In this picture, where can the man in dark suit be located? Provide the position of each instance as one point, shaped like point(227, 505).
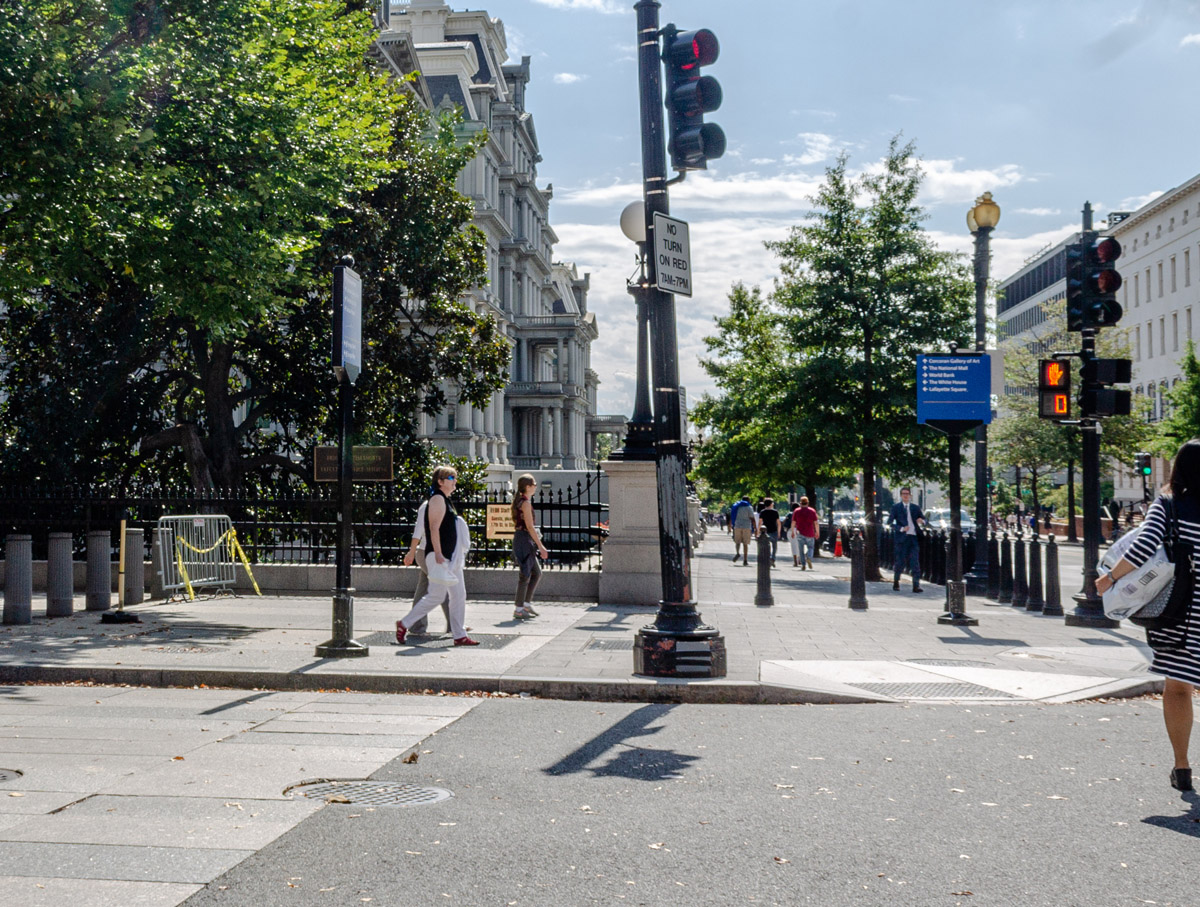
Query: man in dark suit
point(905, 518)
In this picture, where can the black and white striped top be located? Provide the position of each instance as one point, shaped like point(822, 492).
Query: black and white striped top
point(1176, 652)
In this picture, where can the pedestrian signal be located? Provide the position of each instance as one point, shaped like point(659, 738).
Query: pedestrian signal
point(1054, 389)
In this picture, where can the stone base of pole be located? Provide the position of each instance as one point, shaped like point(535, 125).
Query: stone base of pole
point(665, 653)
point(1089, 615)
point(342, 646)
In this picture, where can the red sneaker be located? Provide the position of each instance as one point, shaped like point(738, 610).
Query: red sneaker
point(466, 641)
point(401, 633)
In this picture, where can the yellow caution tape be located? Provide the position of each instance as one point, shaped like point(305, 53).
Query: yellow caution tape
point(215, 546)
point(229, 537)
point(235, 547)
point(183, 571)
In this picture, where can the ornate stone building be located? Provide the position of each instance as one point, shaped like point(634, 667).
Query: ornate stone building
point(545, 417)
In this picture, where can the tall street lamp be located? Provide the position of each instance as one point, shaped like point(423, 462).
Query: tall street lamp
point(981, 220)
point(639, 437)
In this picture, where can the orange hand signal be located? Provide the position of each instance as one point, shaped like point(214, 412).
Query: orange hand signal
point(1054, 374)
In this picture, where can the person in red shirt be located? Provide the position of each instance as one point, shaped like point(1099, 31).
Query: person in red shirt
point(803, 535)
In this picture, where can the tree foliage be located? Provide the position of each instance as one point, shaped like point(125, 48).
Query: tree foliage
point(182, 179)
point(1182, 422)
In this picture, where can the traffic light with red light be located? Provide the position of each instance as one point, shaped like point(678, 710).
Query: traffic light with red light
point(1092, 282)
point(691, 142)
point(1054, 389)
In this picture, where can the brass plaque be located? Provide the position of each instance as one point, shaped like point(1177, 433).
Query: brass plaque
point(368, 464)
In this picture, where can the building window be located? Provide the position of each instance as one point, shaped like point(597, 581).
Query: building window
point(1149, 292)
point(1160, 280)
point(1175, 331)
point(1158, 232)
point(1162, 335)
point(1171, 226)
point(1137, 343)
point(1187, 322)
point(1136, 295)
point(1149, 339)
point(1172, 273)
point(1187, 267)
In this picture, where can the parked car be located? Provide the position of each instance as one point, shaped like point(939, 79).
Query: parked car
point(940, 519)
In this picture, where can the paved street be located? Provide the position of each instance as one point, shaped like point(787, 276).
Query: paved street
point(160, 797)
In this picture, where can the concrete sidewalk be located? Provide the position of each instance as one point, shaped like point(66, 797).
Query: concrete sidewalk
point(808, 647)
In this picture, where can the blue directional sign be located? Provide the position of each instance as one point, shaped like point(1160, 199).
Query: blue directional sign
point(954, 387)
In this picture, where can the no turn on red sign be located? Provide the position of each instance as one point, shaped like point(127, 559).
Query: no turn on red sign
point(672, 255)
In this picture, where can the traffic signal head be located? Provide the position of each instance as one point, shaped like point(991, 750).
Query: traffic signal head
point(691, 142)
point(1142, 461)
point(1054, 389)
point(1092, 282)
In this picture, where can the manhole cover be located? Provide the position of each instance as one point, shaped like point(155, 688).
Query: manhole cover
point(947, 663)
point(611, 645)
point(8, 774)
point(372, 793)
point(486, 640)
point(934, 690)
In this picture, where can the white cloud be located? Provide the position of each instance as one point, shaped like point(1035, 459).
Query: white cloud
point(752, 193)
point(610, 7)
point(902, 99)
point(945, 185)
point(1038, 212)
point(818, 148)
point(1133, 202)
point(567, 78)
point(1190, 39)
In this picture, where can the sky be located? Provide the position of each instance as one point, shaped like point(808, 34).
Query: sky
point(1045, 103)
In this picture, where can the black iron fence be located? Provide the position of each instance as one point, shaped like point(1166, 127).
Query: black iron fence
point(300, 526)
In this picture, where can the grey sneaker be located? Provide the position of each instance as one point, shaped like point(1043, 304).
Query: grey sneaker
point(523, 614)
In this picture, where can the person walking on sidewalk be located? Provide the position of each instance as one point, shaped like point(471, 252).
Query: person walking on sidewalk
point(447, 542)
point(745, 523)
point(803, 534)
point(416, 553)
point(769, 517)
point(1176, 650)
point(905, 518)
point(527, 548)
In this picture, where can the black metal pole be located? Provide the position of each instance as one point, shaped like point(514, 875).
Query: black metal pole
point(678, 642)
point(977, 579)
point(956, 594)
point(1089, 609)
point(639, 439)
point(1072, 535)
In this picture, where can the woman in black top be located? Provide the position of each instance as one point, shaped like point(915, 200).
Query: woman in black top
point(1177, 650)
point(770, 525)
point(442, 541)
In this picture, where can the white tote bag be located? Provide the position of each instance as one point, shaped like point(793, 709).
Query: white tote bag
point(1136, 589)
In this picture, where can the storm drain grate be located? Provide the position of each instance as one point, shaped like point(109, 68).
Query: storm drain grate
point(934, 691)
point(947, 663)
point(9, 774)
point(611, 645)
point(371, 793)
point(486, 640)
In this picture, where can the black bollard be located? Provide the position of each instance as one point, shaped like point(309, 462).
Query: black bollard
point(1020, 577)
point(941, 543)
point(1006, 571)
point(763, 596)
point(858, 574)
point(1035, 601)
point(993, 584)
point(1053, 607)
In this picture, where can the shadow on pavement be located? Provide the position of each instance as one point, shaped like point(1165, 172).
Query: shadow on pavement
point(635, 762)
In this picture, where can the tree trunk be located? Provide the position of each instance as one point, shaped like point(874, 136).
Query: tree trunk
point(218, 412)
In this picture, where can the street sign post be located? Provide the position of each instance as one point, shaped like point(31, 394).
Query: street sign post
point(347, 322)
point(673, 254)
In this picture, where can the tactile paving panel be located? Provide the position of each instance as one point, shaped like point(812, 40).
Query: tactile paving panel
point(611, 645)
point(371, 793)
point(934, 691)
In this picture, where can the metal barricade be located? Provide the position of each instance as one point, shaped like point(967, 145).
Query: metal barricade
point(194, 551)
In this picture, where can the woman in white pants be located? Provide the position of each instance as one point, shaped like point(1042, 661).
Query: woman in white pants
point(447, 540)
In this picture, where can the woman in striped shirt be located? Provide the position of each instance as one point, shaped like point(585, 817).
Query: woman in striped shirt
point(1176, 650)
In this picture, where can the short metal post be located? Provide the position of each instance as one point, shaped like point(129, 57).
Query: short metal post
point(1053, 606)
point(18, 579)
point(763, 596)
point(60, 576)
point(993, 584)
point(1020, 577)
point(135, 566)
point(858, 574)
point(1034, 601)
point(1006, 570)
point(99, 570)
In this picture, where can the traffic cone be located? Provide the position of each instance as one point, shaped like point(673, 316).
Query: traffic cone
point(837, 548)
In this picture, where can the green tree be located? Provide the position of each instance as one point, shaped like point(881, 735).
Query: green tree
point(1183, 414)
point(864, 290)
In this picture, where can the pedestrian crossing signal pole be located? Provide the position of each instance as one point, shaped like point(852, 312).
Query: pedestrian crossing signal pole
point(678, 643)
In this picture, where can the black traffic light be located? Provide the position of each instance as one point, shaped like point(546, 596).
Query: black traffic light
point(1054, 389)
point(991, 481)
point(691, 142)
point(1097, 397)
point(1092, 282)
point(1142, 462)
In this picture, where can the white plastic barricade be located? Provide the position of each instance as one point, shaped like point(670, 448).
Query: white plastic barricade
point(197, 551)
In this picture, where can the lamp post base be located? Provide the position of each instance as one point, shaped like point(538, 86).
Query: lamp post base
point(955, 614)
point(667, 653)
